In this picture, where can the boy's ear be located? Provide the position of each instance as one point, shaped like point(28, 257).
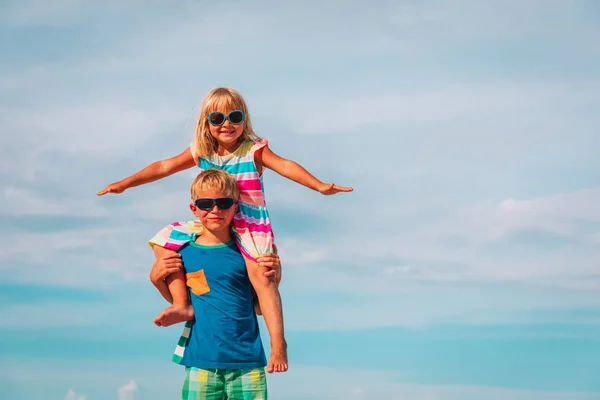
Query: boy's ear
point(193, 207)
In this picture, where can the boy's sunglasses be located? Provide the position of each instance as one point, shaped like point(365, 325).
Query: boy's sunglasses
point(206, 204)
point(217, 118)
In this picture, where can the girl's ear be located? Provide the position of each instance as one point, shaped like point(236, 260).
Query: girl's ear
point(193, 207)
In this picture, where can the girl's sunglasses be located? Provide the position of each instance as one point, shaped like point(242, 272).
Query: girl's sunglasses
point(206, 204)
point(217, 118)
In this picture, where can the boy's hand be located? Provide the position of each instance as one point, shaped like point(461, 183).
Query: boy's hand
point(166, 264)
point(271, 261)
point(331, 188)
point(115, 188)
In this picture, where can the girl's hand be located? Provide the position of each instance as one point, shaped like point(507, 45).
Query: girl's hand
point(272, 262)
point(330, 188)
point(115, 188)
point(166, 263)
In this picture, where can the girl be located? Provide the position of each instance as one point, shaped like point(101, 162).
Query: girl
point(224, 140)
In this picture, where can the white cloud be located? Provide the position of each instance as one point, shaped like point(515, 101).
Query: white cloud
point(27, 202)
point(71, 395)
point(559, 213)
point(128, 391)
point(463, 128)
point(439, 148)
point(431, 257)
point(37, 13)
point(301, 382)
point(477, 258)
point(156, 378)
point(91, 128)
point(54, 314)
point(446, 241)
point(33, 12)
point(407, 107)
point(451, 112)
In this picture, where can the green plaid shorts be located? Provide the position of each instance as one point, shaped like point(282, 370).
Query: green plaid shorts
point(224, 384)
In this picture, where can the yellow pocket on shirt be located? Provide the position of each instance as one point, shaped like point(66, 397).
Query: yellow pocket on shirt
point(197, 282)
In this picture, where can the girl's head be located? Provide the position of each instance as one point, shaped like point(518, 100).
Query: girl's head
point(236, 127)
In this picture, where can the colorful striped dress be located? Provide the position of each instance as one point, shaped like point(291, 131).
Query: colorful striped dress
point(252, 227)
point(253, 231)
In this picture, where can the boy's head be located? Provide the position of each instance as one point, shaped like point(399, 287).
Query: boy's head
point(215, 196)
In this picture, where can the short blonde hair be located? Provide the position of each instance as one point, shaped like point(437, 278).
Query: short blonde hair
point(220, 99)
point(215, 179)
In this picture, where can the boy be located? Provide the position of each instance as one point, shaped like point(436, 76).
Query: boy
point(224, 353)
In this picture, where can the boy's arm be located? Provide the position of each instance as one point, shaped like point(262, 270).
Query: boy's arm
point(167, 262)
point(295, 172)
point(155, 171)
point(272, 264)
point(270, 303)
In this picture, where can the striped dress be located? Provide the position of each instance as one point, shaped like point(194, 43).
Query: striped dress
point(252, 227)
point(253, 231)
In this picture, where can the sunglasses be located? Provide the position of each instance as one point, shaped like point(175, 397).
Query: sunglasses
point(206, 204)
point(217, 118)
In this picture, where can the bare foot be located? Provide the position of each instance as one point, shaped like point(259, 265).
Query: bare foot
point(174, 315)
point(278, 362)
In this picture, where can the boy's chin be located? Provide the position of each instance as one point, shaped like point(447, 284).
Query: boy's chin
point(217, 227)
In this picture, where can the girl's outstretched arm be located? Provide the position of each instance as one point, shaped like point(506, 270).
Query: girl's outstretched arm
point(295, 172)
point(153, 172)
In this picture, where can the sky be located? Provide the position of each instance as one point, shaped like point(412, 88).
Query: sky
point(465, 264)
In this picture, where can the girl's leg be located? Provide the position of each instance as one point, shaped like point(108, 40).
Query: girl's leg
point(182, 309)
point(175, 236)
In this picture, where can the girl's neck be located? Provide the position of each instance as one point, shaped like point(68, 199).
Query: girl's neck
point(228, 148)
point(209, 238)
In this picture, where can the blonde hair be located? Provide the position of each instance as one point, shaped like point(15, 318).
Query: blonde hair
point(215, 179)
point(217, 100)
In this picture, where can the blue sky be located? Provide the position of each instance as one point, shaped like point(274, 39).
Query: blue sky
point(463, 266)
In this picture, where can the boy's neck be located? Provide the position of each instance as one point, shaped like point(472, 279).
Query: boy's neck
point(211, 238)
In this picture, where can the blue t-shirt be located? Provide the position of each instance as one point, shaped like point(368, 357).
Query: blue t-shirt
point(225, 332)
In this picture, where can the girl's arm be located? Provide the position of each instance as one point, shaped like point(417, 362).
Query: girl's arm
point(153, 172)
point(295, 172)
